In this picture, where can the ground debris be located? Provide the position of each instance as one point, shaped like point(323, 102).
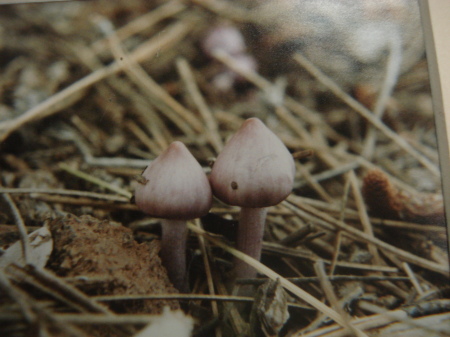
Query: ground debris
point(91, 249)
point(92, 91)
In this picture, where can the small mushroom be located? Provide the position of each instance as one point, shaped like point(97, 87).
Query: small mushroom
point(224, 37)
point(175, 189)
point(227, 39)
point(254, 171)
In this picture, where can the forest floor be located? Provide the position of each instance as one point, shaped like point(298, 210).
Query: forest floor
point(91, 92)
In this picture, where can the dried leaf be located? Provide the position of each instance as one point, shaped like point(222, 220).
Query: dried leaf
point(41, 246)
point(169, 324)
point(270, 310)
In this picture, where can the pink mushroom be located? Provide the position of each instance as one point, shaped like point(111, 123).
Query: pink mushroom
point(254, 171)
point(175, 189)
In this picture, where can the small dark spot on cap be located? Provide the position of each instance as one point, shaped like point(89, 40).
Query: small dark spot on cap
point(234, 185)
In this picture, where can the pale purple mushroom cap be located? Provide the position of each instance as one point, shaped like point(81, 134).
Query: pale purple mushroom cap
point(176, 188)
point(226, 38)
point(254, 169)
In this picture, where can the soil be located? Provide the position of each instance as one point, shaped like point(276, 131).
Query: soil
point(110, 262)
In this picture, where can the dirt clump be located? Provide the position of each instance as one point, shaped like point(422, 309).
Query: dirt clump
point(103, 258)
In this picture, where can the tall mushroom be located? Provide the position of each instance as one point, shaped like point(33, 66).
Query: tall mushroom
point(254, 171)
point(175, 189)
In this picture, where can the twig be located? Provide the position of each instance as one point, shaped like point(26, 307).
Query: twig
point(49, 322)
point(335, 261)
point(392, 73)
point(395, 317)
point(230, 311)
point(224, 9)
point(184, 119)
point(95, 180)
point(274, 276)
point(334, 278)
point(86, 202)
point(270, 247)
point(293, 123)
point(367, 226)
point(289, 103)
point(413, 278)
point(142, 136)
point(323, 218)
point(339, 234)
point(352, 214)
point(98, 318)
point(314, 184)
point(331, 296)
point(26, 248)
point(68, 133)
point(363, 111)
point(57, 288)
point(141, 23)
point(331, 173)
point(366, 323)
point(19, 297)
point(210, 121)
point(147, 116)
point(209, 279)
point(53, 104)
point(188, 297)
point(85, 194)
point(293, 238)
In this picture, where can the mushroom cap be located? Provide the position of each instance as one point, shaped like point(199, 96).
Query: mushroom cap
point(254, 169)
point(224, 37)
point(176, 187)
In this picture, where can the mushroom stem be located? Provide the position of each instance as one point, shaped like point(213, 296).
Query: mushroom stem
point(173, 251)
point(249, 238)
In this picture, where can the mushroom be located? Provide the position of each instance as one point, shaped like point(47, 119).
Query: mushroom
point(254, 171)
point(227, 39)
point(175, 189)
